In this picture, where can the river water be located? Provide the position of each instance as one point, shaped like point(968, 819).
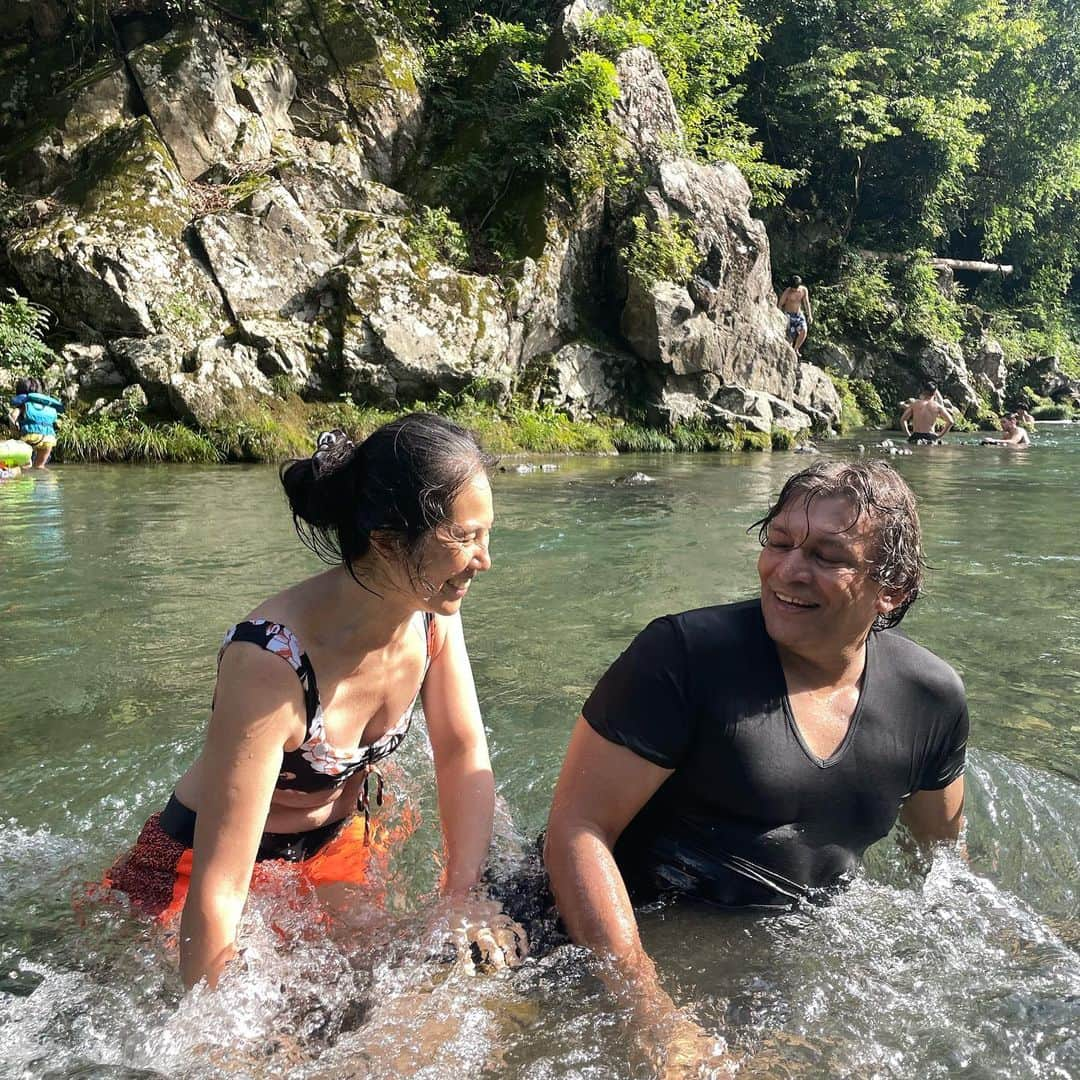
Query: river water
point(118, 582)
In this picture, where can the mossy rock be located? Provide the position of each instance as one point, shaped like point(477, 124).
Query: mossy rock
point(114, 257)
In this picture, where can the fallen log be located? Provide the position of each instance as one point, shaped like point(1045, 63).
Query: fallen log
point(941, 263)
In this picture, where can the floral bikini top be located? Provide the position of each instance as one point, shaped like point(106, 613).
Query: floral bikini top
point(316, 765)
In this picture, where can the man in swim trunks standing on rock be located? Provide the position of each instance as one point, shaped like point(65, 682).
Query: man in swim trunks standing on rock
point(747, 754)
point(923, 414)
point(794, 302)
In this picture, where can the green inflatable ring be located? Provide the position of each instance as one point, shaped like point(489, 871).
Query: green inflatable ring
point(15, 452)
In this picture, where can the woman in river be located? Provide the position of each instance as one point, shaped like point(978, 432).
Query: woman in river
point(316, 687)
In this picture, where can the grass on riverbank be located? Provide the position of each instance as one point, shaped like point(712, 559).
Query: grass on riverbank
point(286, 427)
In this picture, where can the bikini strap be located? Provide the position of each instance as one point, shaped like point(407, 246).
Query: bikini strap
point(430, 628)
point(278, 639)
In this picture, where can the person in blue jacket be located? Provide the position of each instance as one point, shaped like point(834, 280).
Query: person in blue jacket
point(37, 418)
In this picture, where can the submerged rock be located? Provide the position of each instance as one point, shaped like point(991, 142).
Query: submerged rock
point(634, 479)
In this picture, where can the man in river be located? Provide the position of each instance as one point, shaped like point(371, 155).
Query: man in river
point(923, 415)
point(794, 302)
point(747, 754)
point(1016, 438)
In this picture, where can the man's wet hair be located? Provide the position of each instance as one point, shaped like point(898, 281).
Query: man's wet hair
point(929, 388)
point(796, 281)
point(879, 492)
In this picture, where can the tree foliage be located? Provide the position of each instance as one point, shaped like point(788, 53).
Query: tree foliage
point(950, 125)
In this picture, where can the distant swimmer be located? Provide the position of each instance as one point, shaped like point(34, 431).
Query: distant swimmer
point(794, 302)
point(1016, 438)
point(1025, 418)
point(923, 414)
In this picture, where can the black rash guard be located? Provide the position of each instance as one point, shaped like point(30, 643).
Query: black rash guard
point(750, 816)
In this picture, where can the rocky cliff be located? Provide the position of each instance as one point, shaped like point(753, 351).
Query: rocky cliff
point(205, 212)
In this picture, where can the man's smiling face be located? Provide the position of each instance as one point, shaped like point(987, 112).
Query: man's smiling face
point(818, 596)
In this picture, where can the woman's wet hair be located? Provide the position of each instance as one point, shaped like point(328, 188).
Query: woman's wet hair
point(22, 386)
point(877, 491)
point(400, 482)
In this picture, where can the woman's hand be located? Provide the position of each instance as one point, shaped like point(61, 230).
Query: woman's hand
point(483, 936)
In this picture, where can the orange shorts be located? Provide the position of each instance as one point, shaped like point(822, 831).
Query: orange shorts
point(156, 872)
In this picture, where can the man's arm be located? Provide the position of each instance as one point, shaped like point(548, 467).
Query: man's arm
point(780, 299)
point(904, 420)
point(601, 788)
point(935, 817)
point(806, 304)
point(944, 414)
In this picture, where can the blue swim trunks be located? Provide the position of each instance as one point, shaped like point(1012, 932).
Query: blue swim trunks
point(796, 323)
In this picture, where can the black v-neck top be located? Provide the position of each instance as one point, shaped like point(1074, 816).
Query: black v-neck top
point(751, 816)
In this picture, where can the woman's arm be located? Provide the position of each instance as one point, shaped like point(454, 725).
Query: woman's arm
point(257, 709)
point(463, 775)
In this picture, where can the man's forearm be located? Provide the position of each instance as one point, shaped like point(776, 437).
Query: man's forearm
point(594, 905)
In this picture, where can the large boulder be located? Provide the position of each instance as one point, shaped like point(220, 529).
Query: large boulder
point(219, 378)
point(337, 181)
point(266, 253)
point(986, 363)
point(585, 381)
point(266, 86)
point(294, 348)
point(114, 258)
point(361, 76)
point(151, 363)
point(645, 113)
point(815, 395)
point(72, 119)
point(571, 25)
point(727, 322)
point(90, 369)
point(188, 91)
point(548, 293)
point(943, 363)
point(408, 330)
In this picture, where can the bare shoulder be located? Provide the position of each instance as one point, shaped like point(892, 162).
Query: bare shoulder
point(257, 689)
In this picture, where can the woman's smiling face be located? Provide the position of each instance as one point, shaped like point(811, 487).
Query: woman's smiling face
point(457, 549)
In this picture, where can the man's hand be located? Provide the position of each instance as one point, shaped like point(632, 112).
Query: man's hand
point(678, 1048)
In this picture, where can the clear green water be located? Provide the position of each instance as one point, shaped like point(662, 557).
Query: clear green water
point(117, 584)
